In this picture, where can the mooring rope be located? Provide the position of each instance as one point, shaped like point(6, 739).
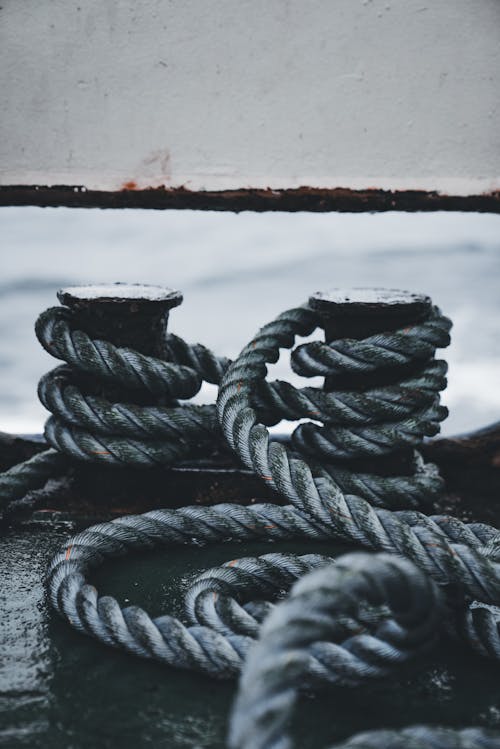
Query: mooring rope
point(351, 620)
point(90, 428)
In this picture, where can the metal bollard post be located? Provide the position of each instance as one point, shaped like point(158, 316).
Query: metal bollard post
point(359, 313)
point(126, 315)
point(132, 315)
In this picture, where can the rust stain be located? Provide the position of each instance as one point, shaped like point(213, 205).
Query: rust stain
point(130, 185)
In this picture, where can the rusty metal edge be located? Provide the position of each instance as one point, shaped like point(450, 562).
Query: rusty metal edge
point(310, 199)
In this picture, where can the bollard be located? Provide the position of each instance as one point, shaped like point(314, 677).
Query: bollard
point(358, 313)
point(133, 316)
point(126, 315)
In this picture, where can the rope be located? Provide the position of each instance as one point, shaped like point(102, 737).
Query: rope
point(343, 623)
point(29, 476)
point(87, 427)
point(91, 428)
point(313, 616)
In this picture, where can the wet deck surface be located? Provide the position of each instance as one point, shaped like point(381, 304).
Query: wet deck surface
point(61, 689)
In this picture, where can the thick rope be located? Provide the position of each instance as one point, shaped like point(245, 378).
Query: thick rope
point(31, 475)
point(90, 428)
point(313, 616)
point(344, 623)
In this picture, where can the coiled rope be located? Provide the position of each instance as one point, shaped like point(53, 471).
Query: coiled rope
point(345, 623)
point(90, 428)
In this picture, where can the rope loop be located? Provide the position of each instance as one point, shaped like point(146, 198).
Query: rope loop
point(414, 343)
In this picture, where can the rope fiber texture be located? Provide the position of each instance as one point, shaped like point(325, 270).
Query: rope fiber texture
point(346, 620)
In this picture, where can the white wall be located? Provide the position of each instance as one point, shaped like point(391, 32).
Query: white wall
point(216, 94)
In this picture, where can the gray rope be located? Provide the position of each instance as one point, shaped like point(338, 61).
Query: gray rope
point(436, 535)
point(382, 610)
point(472, 569)
point(220, 628)
point(339, 442)
point(310, 488)
point(19, 509)
point(424, 737)
point(209, 366)
point(30, 475)
point(392, 402)
point(210, 602)
point(167, 638)
point(89, 428)
point(413, 491)
point(313, 616)
point(104, 361)
point(413, 343)
point(343, 624)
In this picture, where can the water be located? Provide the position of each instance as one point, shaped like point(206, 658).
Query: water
point(238, 271)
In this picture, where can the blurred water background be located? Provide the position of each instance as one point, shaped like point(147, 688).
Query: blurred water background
point(238, 271)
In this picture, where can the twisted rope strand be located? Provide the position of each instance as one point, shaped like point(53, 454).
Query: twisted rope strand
point(210, 600)
point(107, 362)
point(30, 475)
point(411, 344)
point(370, 406)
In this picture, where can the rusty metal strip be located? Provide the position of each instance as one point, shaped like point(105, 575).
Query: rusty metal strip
point(299, 199)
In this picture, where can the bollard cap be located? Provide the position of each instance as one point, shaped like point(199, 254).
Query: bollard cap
point(363, 302)
point(139, 295)
point(127, 315)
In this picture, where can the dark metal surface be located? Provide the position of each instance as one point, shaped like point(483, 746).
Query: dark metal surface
point(131, 315)
point(361, 312)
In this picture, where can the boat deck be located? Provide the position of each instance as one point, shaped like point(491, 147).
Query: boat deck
point(61, 689)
